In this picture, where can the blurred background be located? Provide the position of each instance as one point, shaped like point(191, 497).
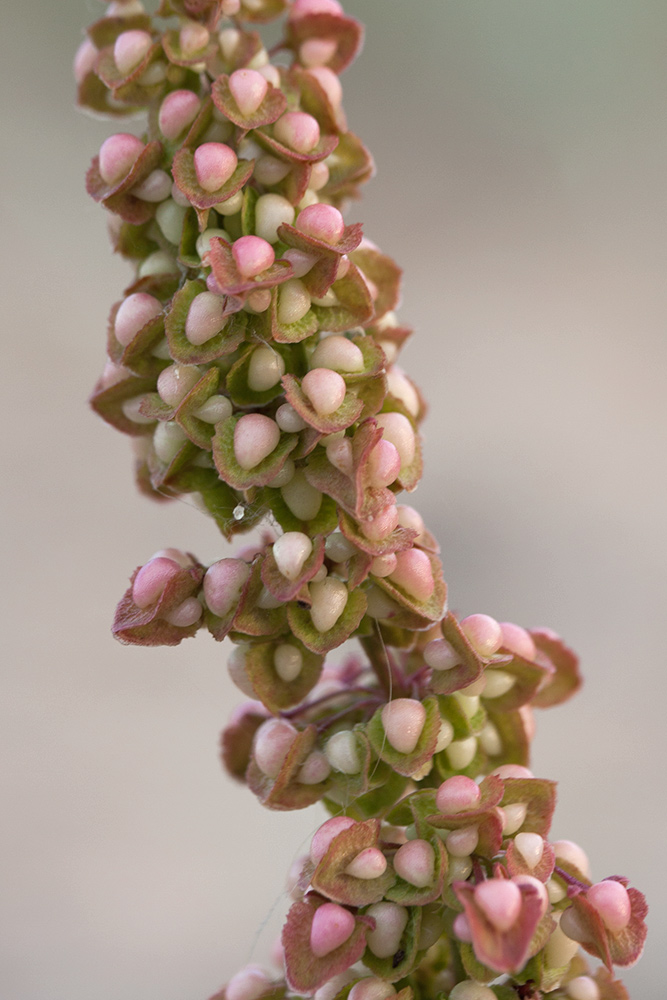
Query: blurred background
point(521, 149)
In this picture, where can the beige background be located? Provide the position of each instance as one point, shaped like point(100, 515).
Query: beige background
point(521, 151)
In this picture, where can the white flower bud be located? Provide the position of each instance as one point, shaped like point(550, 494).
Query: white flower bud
point(168, 440)
point(329, 600)
point(271, 211)
point(288, 661)
point(470, 990)
point(343, 753)
point(265, 370)
point(291, 552)
point(169, 217)
point(176, 381)
point(215, 409)
point(498, 682)
point(293, 301)
point(531, 848)
point(390, 922)
point(461, 753)
point(514, 816)
point(337, 353)
point(302, 499)
point(289, 420)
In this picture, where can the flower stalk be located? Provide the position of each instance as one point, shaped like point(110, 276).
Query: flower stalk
point(253, 360)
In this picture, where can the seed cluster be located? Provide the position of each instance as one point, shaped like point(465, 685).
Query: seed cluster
point(253, 360)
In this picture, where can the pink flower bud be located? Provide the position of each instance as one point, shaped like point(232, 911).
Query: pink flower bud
point(315, 769)
point(537, 885)
point(259, 300)
point(223, 584)
point(500, 900)
point(176, 381)
point(84, 60)
point(319, 178)
point(384, 565)
point(315, 52)
point(300, 8)
point(483, 633)
point(371, 988)
point(457, 794)
point(270, 170)
point(291, 551)
point(298, 131)
point(462, 928)
point(338, 353)
point(214, 164)
point(178, 110)
point(156, 187)
point(255, 437)
point(248, 89)
point(252, 255)
point(193, 37)
point(611, 900)
point(410, 518)
point(230, 7)
point(513, 771)
point(518, 640)
point(398, 429)
point(129, 50)
point(403, 720)
point(205, 318)
point(185, 614)
point(248, 984)
point(326, 77)
point(134, 313)
point(415, 862)
point(461, 843)
point(322, 222)
point(332, 926)
point(384, 464)
point(414, 574)
point(325, 390)
point(441, 655)
point(151, 580)
point(381, 524)
point(118, 154)
point(340, 455)
point(368, 864)
point(322, 837)
point(301, 261)
point(390, 922)
point(272, 742)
